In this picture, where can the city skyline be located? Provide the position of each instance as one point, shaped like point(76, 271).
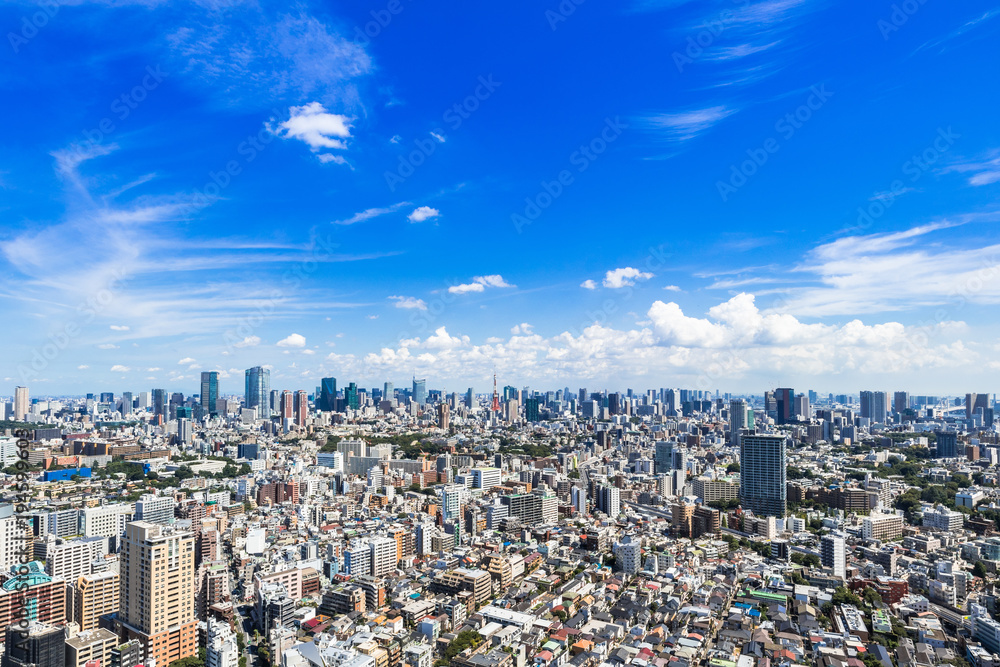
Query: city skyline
point(730, 189)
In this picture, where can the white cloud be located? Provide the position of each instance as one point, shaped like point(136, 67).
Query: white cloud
point(588, 284)
point(440, 137)
point(370, 213)
point(185, 360)
point(82, 367)
point(624, 277)
point(118, 368)
point(985, 171)
point(107, 346)
point(479, 284)
point(293, 340)
point(409, 303)
point(672, 288)
point(154, 369)
point(685, 125)
point(119, 327)
point(522, 328)
point(320, 130)
point(395, 139)
point(248, 341)
point(423, 213)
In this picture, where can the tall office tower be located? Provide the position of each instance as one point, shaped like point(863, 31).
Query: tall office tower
point(975, 402)
point(328, 395)
point(802, 407)
point(209, 392)
point(608, 500)
point(615, 403)
point(388, 392)
point(833, 554)
point(160, 412)
point(578, 498)
point(43, 645)
point(351, 400)
point(531, 410)
point(286, 407)
point(874, 406)
point(900, 401)
point(274, 401)
point(762, 474)
point(469, 397)
point(443, 418)
point(301, 408)
point(126, 403)
point(107, 397)
point(419, 391)
point(96, 595)
point(258, 391)
point(784, 401)
point(740, 415)
point(663, 458)
point(21, 403)
point(157, 591)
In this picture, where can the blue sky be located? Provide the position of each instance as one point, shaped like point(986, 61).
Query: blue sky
point(734, 195)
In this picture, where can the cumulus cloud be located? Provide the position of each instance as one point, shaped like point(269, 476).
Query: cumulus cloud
point(479, 284)
point(248, 341)
point(409, 302)
point(82, 367)
point(118, 368)
point(522, 328)
point(624, 277)
point(293, 340)
point(588, 284)
point(672, 288)
point(423, 213)
point(317, 128)
point(186, 360)
point(119, 327)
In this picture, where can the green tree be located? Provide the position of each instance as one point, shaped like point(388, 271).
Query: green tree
point(733, 467)
point(979, 570)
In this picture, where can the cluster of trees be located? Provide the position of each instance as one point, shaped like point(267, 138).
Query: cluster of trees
point(464, 640)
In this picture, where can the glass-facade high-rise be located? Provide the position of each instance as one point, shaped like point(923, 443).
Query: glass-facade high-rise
point(351, 396)
point(419, 391)
point(258, 391)
point(762, 474)
point(328, 395)
point(160, 403)
point(209, 392)
point(663, 457)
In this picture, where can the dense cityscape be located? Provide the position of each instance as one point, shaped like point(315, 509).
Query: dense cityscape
point(391, 527)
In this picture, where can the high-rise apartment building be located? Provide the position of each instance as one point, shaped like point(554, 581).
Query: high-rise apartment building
point(301, 408)
point(833, 554)
point(95, 595)
point(784, 398)
point(875, 406)
point(209, 395)
point(157, 591)
point(762, 474)
point(21, 403)
point(258, 390)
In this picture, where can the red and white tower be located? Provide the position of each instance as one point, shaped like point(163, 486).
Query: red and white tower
point(496, 397)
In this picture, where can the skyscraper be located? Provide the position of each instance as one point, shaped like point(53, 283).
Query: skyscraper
point(351, 396)
point(21, 403)
point(784, 398)
point(976, 402)
point(469, 398)
point(874, 406)
point(762, 474)
point(388, 392)
point(160, 405)
point(301, 408)
point(258, 390)
point(157, 594)
point(663, 457)
point(328, 395)
point(900, 401)
point(209, 392)
point(419, 391)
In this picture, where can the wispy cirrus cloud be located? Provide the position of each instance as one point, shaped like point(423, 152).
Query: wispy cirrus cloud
point(985, 170)
point(479, 284)
point(682, 126)
point(370, 213)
